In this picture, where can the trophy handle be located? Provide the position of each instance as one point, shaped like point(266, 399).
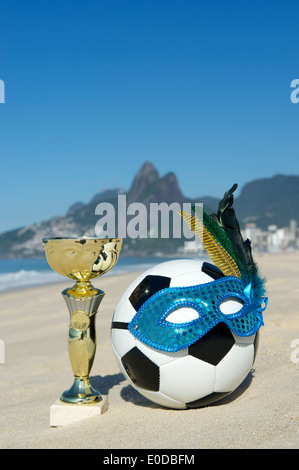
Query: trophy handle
point(82, 343)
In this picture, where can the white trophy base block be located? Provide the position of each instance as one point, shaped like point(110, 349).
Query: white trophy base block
point(62, 414)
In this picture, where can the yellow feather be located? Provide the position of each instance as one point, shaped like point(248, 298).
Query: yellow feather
point(217, 253)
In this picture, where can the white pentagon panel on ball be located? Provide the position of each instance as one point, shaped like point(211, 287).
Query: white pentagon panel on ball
point(245, 339)
point(234, 367)
point(162, 399)
point(160, 357)
point(124, 312)
point(191, 276)
point(187, 379)
point(167, 268)
point(122, 340)
point(119, 363)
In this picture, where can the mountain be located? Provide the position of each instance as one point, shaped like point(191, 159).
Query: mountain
point(265, 201)
point(269, 201)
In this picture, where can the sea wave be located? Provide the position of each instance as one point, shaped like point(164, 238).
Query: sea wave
point(15, 274)
point(25, 278)
point(31, 278)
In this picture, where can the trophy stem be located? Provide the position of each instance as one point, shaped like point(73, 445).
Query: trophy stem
point(82, 289)
point(82, 342)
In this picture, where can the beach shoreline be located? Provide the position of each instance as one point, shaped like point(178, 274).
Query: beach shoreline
point(262, 413)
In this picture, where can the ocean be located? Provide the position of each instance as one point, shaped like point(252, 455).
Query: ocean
point(20, 273)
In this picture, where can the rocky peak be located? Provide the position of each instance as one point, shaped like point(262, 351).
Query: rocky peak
point(166, 189)
point(146, 176)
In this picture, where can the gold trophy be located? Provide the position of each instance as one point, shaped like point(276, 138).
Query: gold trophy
point(82, 259)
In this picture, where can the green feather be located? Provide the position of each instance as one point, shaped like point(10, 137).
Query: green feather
point(227, 221)
point(217, 231)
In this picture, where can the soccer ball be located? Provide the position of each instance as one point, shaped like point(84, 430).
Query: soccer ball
point(198, 375)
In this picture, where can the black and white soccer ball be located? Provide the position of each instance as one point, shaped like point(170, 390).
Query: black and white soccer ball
point(209, 369)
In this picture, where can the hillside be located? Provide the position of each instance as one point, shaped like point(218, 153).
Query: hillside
point(265, 201)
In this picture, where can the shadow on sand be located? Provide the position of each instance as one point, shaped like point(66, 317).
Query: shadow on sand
point(129, 394)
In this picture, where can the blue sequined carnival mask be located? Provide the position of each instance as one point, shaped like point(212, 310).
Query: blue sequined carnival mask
point(150, 323)
point(238, 279)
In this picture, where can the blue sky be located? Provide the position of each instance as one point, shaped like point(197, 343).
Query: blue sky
point(93, 89)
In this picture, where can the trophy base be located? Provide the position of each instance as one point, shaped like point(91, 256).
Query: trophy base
point(81, 393)
point(63, 414)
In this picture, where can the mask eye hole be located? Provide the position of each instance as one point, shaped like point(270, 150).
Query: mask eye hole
point(182, 315)
point(231, 305)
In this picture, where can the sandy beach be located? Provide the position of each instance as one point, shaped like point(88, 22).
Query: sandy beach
point(262, 413)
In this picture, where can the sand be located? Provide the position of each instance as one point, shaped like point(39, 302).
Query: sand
point(262, 413)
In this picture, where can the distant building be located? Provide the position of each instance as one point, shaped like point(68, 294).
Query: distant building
point(273, 240)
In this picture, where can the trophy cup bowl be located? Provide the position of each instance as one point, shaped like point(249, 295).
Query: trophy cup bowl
point(82, 259)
